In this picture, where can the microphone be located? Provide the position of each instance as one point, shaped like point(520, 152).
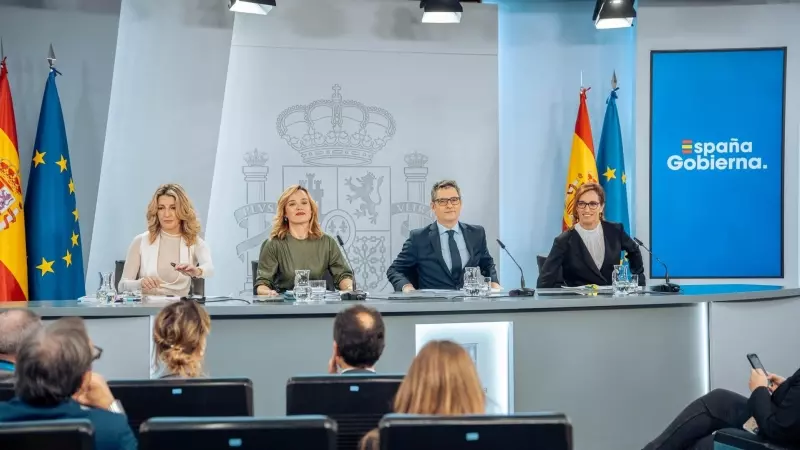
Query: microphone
point(522, 291)
point(667, 286)
point(354, 294)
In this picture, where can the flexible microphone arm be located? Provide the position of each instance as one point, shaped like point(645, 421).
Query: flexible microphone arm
point(354, 294)
point(667, 286)
point(522, 291)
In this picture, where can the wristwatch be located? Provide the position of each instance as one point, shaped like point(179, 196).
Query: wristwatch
point(116, 407)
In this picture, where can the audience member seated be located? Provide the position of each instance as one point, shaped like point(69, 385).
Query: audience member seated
point(775, 408)
point(54, 380)
point(442, 380)
point(358, 340)
point(179, 337)
point(15, 325)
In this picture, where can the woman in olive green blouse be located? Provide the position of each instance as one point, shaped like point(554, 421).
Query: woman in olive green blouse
point(296, 243)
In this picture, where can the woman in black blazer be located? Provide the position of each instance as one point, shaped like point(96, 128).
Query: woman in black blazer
point(777, 415)
point(589, 250)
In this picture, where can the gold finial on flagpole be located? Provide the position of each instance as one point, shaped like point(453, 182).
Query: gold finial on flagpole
point(614, 80)
point(51, 56)
point(2, 52)
point(581, 79)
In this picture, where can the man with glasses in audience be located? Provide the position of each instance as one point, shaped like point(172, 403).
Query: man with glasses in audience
point(434, 257)
point(15, 325)
point(54, 380)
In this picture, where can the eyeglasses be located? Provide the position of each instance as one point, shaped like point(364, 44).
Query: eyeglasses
point(455, 201)
point(591, 205)
point(97, 352)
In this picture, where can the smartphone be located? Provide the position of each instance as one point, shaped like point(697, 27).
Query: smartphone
point(756, 363)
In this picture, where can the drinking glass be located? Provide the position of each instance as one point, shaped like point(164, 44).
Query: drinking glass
point(318, 288)
point(486, 287)
point(472, 281)
point(633, 284)
point(302, 289)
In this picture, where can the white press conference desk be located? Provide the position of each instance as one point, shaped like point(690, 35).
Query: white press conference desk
point(620, 367)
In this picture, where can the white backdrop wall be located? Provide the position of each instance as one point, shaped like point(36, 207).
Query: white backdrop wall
point(163, 118)
point(427, 95)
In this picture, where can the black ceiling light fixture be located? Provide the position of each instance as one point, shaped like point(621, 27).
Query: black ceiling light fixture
point(613, 14)
point(251, 6)
point(441, 11)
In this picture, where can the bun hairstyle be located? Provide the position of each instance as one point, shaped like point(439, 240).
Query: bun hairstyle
point(179, 336)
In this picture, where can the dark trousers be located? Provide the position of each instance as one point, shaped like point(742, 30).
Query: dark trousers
point(693, 427)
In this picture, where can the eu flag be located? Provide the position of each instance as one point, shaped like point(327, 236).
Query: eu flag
point(55, 261)
point(611, 166)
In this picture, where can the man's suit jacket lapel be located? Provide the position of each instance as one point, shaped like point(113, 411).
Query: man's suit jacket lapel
point(469, 239)
point(585, 256)
point(433, 234)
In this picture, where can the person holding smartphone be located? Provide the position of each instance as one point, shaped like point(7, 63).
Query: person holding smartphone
point(774, 403)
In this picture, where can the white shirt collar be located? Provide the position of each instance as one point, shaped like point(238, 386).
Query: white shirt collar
point(443, 229)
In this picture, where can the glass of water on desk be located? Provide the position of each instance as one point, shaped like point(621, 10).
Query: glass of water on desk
point(318, 288)
point(472, 281)
point(302, 286)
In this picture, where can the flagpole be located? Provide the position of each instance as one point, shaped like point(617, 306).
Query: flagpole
point(2, 52)
point(614, 81)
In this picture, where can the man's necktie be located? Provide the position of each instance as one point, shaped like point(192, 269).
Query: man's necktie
point(455, 257)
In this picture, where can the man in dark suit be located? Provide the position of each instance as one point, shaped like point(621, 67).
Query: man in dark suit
point(434, 257)
point(54, 380)
point(358, 340)
point(15, 325)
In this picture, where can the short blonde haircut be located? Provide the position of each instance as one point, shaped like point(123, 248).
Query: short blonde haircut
point(280, 226)
point(190, 226)
point(179, 336)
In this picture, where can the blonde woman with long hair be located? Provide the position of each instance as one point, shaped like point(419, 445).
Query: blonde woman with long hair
point(298, 243)
point(164, 259)
point(179, 340)
point(442, 380)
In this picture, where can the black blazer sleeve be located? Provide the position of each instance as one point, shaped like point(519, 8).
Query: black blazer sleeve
point(402, 266)
point(777, 421)
point(551, 275)
point(634, 255)
point(485, 261)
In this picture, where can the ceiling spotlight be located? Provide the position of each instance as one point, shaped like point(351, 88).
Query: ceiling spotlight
point(613, 14)
point(441, 11)
point(251, 6)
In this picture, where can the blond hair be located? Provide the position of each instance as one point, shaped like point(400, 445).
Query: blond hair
point(583, 189)
point(184, 210)
point(442, 380)
point(280, 225)
point(179, 335)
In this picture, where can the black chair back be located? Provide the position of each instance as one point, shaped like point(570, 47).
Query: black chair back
point(540, 261)
point(356, 402)
point(214, 433)
point(198, 284)
point(175, 397)
point(74, 434)
point(6, 391)
point(514, 432)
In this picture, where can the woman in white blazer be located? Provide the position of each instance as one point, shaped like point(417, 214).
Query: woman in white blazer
point(164, 259)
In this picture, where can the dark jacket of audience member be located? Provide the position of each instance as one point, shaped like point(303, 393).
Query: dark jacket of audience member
point(358, 340)
point(15, 325)
point(53, 365)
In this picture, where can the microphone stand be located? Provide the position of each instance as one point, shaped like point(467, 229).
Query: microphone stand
point(667, 286)
point(522, 291)
point(354, 294)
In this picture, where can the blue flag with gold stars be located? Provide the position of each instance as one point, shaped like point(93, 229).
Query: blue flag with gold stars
point(55, 261)
point(611, 166)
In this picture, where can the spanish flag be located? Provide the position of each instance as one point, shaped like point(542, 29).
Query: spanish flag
point(13, 265)
point(582, 165)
